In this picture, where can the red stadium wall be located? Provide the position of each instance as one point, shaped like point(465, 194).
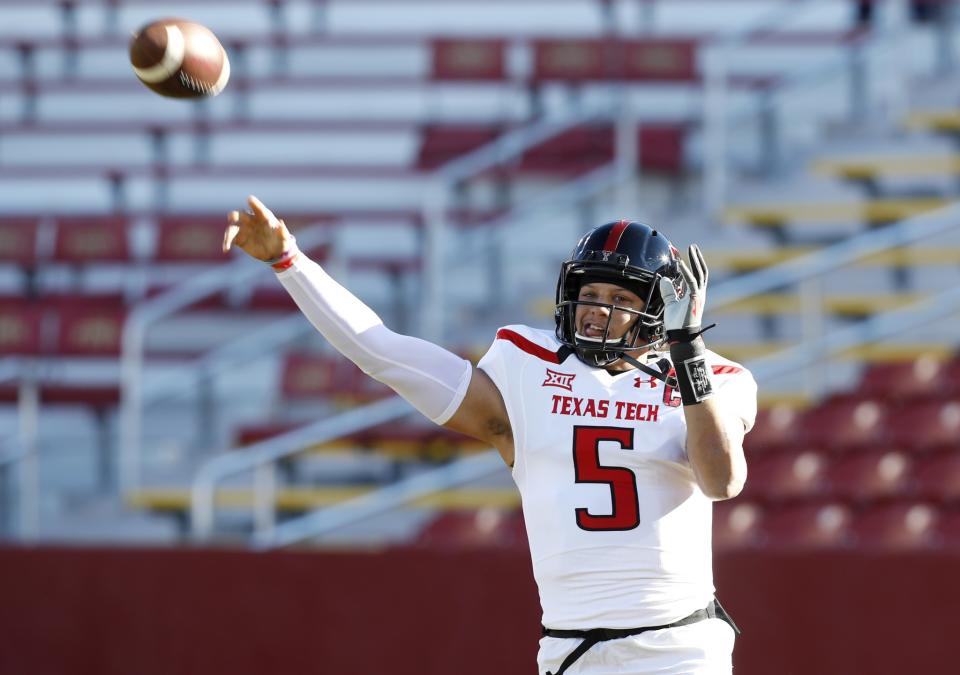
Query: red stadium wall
point(420, 612)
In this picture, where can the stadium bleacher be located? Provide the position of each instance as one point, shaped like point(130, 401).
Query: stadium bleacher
point(140, 366)
point(134, 188)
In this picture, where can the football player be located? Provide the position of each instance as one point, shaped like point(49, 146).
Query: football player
point(620, 427)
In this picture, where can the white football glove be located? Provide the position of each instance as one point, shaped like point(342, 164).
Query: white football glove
point(684, 312)
point(682, 319)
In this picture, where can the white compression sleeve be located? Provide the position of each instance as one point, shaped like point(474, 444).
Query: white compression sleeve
point(431, 378)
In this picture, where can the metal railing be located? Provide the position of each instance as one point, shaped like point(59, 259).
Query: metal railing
point(875, 329)
point(828, 259)
point(509, 146)
point(881, 41)
point(133, 345)
point(401, 493)
point(806, 272)
point(21, 451)
point(262, 457)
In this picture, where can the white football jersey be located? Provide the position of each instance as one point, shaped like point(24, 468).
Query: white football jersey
point(619, 531)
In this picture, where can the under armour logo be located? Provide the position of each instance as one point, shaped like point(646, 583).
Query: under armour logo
point(640, 381)
point(562, 380)
point(606, 255)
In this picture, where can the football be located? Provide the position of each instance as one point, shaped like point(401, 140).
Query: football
point(180, 59)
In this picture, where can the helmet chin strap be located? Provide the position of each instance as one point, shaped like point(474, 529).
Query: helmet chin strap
point(652, 372)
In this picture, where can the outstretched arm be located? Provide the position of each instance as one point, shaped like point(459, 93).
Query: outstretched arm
point(440, 384)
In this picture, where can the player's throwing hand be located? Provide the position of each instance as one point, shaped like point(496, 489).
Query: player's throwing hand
point(258, 232)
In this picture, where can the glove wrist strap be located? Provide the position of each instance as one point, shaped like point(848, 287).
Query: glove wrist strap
point(694, 379)
point(686, 334)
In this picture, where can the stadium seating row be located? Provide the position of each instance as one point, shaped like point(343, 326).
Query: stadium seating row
point(489, 518)
point(737, 524)
point(905, 404)
point(660, 148)
point(65, 328)
point(29, 240)
point(900, 525)
point(864, 477)
point(600, 16)
point(571, 60)
point(913, 406)
point(776, 218)
point(845, 424)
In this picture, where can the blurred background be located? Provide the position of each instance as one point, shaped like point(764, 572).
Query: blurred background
point(192, 481)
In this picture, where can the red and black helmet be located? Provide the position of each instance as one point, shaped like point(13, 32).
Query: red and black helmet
point(629, 254)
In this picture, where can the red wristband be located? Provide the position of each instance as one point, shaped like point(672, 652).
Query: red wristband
point(286, 259)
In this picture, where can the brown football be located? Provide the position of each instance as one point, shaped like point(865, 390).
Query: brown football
point(180, 59)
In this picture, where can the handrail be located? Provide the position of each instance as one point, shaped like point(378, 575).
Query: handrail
point(582, 188)
point(12, 452)
point(715, 110)
point(715, 102)
point(511, 144)
point(202, 493)
point(847, 251)
point(169, 385)
point(133, 344)
point(516, 141)
point(873, 329)
point(324, 521)
point(792, 271)
point(25, 455)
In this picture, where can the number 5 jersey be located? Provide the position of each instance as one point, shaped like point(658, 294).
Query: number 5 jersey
point(619, 530)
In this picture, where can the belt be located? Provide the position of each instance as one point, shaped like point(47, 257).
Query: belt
point(595, 635)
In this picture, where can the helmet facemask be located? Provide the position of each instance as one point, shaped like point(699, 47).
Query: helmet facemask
point(646, 331)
